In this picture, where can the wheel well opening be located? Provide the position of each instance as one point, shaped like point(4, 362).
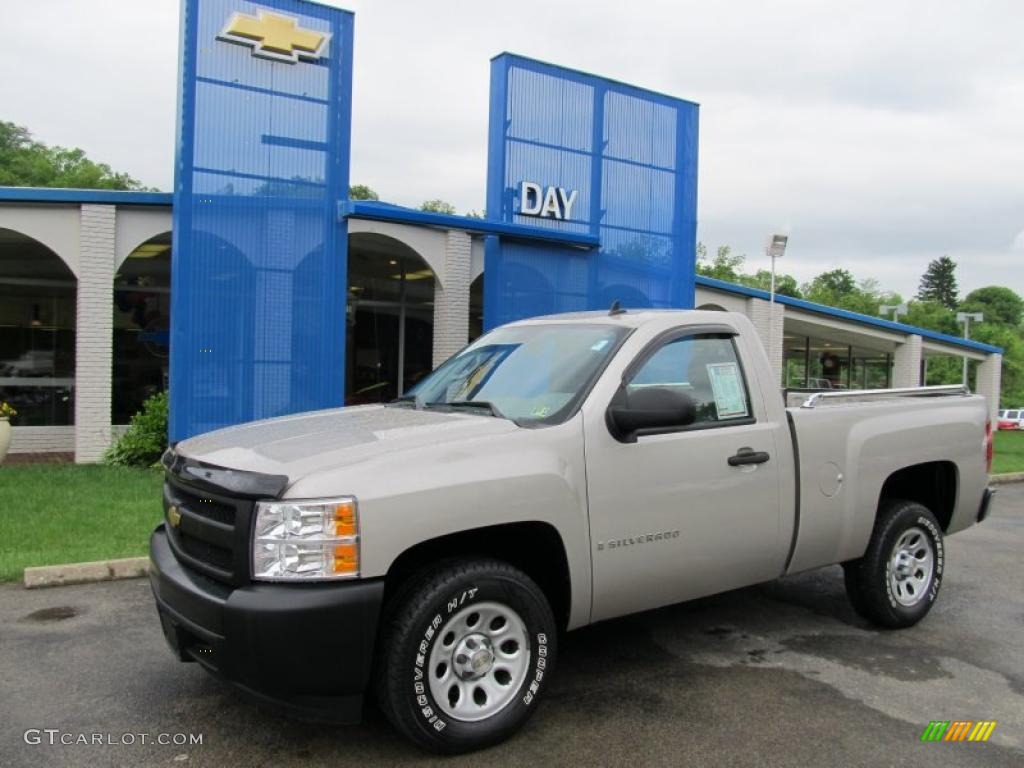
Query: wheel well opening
point(533, 547)
point(933, 484)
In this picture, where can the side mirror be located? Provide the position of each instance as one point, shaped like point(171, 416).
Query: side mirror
point(647, 410)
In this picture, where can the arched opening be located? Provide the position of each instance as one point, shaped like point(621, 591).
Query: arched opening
point(712, 308)
point(390, 318)
point(37, 332)
point(217, 379)
point(142, 322)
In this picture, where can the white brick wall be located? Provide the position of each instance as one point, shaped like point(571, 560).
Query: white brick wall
point(451, 300)
point(906, 363)
point(94, 338)
point(759, 312)
point(43, 439)
point(989, 377)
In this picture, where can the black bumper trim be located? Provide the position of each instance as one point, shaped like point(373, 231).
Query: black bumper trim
point(986, 504)
point(305, 650)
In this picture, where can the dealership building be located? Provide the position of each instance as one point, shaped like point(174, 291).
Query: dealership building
point(257, 288)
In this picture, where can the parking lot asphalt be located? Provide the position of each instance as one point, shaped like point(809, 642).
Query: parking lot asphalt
point(780, 674)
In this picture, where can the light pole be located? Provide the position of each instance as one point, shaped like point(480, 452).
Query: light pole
point(775, 248)
point(896, 309)
point(965, 318)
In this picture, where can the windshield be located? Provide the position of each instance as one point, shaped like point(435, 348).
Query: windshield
point(529, 373)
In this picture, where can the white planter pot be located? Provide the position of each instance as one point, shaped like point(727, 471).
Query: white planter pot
point(5, 438)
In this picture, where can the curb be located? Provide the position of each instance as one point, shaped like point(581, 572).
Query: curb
point(86, 573)
point(1009, 477)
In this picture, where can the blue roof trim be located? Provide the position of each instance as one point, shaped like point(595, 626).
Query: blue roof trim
point(378, 211)
point(844, 314)
point(103, 196)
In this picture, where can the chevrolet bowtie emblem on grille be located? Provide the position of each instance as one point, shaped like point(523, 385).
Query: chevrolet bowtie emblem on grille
point(275, 36)
point(173, 516)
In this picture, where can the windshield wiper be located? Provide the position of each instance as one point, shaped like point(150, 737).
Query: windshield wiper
point(470, 404)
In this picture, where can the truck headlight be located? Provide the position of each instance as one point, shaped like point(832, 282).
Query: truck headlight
point(309, 540)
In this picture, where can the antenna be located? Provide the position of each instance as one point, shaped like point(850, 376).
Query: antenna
point(616, 308)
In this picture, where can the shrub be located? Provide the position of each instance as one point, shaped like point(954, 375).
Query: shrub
point(146, 438)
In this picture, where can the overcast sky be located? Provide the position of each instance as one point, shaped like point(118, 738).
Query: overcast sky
point(879, 134)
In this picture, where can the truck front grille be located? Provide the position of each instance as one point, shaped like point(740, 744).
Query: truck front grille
point(220, 558)
point(204, 506)
point(212, 530)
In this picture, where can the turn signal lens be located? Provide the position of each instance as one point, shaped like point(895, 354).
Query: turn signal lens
point(309, 540)
point(346, 559)
point(345, 519)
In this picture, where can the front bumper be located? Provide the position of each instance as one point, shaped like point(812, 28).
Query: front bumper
point(303, 649)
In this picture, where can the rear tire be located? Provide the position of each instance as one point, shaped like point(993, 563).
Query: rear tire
point(897, 580)
point(465, 656)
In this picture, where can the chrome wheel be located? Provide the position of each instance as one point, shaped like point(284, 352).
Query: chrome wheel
point(479, 661)
point(911, 567)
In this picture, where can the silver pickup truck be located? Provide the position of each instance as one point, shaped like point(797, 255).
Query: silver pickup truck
point(557, 472)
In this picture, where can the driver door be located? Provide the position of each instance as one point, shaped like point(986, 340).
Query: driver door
point(671, 517)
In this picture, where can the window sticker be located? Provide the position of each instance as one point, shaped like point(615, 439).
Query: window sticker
point(730, 400)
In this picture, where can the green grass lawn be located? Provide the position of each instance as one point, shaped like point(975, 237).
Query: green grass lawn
point(52, 514)
point(1009, 452)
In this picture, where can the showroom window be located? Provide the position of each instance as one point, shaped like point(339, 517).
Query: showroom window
point(142, 317)
point(37, 332)
point(390, 323)
point(820, 364)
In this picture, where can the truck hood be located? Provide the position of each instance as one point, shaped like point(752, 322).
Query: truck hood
point(300, 445)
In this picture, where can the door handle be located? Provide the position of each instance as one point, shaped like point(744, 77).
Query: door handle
point(748, 456)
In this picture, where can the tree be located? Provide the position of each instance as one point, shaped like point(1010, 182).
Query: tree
point(835, 282)
point(362, 192)
point(1009, 338)
point(931, 315)
point(939, 283)
point(438, 206)
point(839, 288)
point(785, 285)
point(998, 304)
point(725, 266)
point(25, 162)
point(728, 266)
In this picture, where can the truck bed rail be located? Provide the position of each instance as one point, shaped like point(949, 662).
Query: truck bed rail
point(941, 390)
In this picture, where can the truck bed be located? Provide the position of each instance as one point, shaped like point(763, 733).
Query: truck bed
point(849, 443)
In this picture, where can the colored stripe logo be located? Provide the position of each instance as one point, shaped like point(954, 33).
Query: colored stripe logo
point(958, 730)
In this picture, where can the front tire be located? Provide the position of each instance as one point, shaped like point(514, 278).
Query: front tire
point(466, 656)
point(897, 580)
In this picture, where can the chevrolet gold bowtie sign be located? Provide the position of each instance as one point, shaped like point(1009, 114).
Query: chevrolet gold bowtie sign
point(275, 36)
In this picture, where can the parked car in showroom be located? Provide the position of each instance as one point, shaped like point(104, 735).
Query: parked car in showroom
point(557, 472)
